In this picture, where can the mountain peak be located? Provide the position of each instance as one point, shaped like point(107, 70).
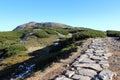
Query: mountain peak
point(42, 24)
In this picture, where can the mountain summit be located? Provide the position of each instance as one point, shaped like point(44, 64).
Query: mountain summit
point(43, 24)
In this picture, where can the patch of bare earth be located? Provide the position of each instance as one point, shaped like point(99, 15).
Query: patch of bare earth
point(57, 68)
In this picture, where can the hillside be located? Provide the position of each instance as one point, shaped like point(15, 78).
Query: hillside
point(30, 47)
point(44, 24)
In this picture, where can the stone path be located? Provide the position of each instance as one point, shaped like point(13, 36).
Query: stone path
point(92, 65)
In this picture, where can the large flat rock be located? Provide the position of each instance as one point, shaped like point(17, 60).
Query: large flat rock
point(62, 78)
point(106, 75)
point(87, 72)
point(80, 77)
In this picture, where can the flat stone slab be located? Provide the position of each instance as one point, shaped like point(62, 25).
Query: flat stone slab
point(88, 61)
point(89, 64)
point(96, 58)
point(99, 51)
point(62, 78)
point(82, 57)
point(87, 72)
point(89, 51)
point(69, 73)
point(104, 64)
point(80, 77)
point(106, 75)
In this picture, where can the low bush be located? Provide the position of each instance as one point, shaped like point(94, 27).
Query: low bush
point(50, 31)
point(68, 49)
point(113, 33)
point(61, 31)
point(41, 34)
point(12, 50)
point(89, 34)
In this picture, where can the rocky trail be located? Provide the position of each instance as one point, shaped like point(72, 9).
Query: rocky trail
point(96, 59)
point(93, 64)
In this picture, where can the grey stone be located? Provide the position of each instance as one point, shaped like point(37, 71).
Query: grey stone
point(95, 78)
point(97, 58)
point(106, 75)
point(88, 61)
point(89, 55)
point(89, 51)
point(104, 64)
point(93, 66)
point(69, 73)
point(72, 69)
point(80, 77)
point(62, 77)
point(99, 51)
point(82, 57)
point(87, 72)
point(75, 63)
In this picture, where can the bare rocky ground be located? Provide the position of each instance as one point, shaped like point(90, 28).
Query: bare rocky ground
point(64, 70)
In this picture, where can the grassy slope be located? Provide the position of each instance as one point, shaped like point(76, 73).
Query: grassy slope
point(14, 37)
point(31, 43)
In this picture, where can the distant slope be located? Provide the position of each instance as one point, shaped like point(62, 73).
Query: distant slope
point(45, 24)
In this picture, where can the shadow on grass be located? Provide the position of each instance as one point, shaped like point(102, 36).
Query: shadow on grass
point(42, 58)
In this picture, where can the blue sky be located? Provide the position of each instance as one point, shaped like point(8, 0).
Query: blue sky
point(96, 14)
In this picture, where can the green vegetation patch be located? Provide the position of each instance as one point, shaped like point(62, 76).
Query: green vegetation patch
point(54, 31)
point(61, 31)
point(89, 34)
point(12, 50)
point(41, 34)
point(113, 33)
